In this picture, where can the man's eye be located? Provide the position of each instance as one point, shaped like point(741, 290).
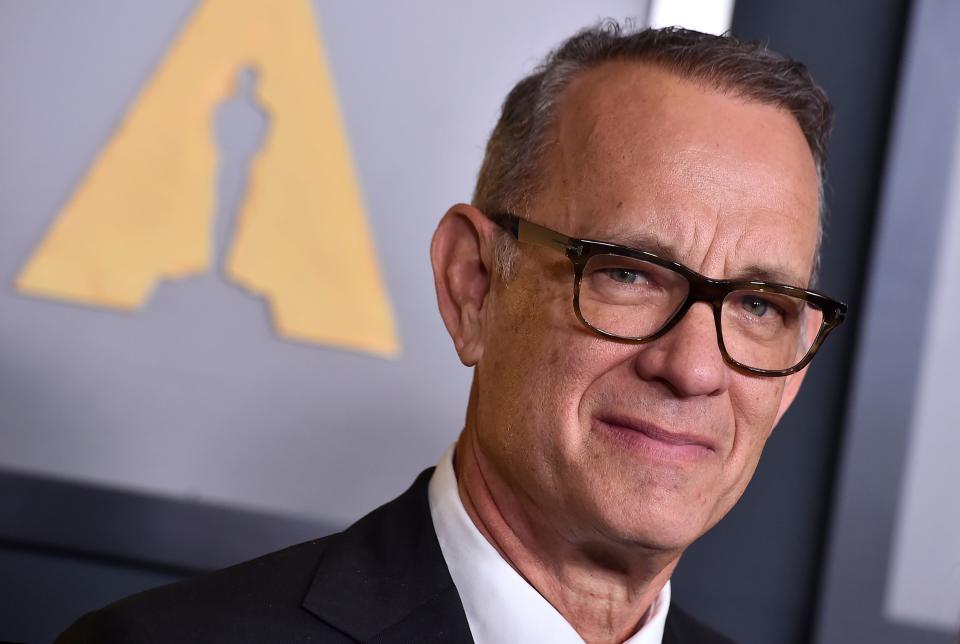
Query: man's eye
point(627, 276)
point(757, 306)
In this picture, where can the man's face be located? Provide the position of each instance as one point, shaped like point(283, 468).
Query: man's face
point(654, 443)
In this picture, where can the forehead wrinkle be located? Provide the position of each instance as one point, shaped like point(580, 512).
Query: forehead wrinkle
point(648, 241)
point(766, 267)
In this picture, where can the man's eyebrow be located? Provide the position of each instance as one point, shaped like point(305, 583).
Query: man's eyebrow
point(758, 273)
point(750, 273)
point(645, 242)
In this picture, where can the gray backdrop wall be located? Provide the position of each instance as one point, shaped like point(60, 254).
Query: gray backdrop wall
point(195, 397)
point(893, 570)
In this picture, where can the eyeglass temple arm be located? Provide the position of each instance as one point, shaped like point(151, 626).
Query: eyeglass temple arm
point(532, 233)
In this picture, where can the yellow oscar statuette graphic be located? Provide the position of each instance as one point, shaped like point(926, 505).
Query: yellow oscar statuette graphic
point(144, 211)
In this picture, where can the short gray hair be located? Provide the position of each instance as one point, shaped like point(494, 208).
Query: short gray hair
point(511, 173)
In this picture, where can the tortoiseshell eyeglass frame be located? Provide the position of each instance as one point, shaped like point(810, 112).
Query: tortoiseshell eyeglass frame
point(702, 288)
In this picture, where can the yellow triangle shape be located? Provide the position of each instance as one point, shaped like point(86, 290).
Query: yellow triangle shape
point(144, 211)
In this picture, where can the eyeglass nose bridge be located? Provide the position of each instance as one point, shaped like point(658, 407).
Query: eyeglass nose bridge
point(709, 292)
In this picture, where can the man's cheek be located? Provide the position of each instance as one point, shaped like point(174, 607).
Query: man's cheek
point(740, 466)
point(755, 404)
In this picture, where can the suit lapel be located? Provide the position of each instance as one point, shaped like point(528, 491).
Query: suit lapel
point(384, 578)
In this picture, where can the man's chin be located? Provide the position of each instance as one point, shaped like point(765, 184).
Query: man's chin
point(661, 538)
point(666, 529)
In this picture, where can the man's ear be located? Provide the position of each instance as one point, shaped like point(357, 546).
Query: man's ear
point(462, 256)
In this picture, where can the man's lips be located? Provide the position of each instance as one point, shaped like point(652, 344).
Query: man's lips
point(646, 434)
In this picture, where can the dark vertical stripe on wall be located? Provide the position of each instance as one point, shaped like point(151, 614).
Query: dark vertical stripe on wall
point(755, 575)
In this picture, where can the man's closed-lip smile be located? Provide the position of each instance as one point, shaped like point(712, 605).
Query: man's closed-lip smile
point(653, 439)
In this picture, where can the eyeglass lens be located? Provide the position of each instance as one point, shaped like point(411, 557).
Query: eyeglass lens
point(632, 298)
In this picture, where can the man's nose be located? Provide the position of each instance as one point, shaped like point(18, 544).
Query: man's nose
point(687, 359)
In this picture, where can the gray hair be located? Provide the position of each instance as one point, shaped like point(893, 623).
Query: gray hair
point(511, 173)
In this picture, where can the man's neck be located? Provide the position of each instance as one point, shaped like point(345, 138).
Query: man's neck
point(604, 590)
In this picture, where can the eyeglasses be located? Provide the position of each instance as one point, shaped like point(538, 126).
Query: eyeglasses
point(635, 296)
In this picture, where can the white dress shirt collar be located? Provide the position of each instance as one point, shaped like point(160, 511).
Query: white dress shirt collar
point(499, 604)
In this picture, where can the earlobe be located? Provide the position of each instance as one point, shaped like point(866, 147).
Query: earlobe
point(462, 267)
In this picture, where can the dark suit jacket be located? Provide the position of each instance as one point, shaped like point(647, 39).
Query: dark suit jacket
point(383, 579)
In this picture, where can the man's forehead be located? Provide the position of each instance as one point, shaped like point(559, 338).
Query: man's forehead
point(616, 87)
point(632, 109)
point(658, 162)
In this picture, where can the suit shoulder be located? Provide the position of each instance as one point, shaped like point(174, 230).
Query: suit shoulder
point(682, 628)
point(228, 601)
